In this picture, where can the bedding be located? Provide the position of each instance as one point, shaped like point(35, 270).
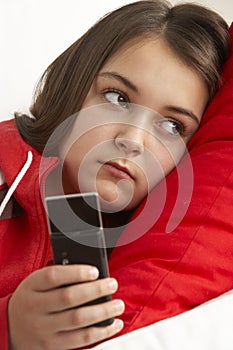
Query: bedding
point(207, 327)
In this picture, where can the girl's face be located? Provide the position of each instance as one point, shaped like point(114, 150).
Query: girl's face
point(140, 112)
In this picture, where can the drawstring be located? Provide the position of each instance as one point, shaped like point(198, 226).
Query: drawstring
point(16, 182)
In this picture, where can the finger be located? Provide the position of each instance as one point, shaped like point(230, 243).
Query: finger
point(58, 275)
point(86, 336)
point(86, 315)
point(75, 295)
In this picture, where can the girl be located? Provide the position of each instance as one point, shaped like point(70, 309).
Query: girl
point(112, 114)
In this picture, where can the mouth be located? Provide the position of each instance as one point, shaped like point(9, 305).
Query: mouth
point(118, 170)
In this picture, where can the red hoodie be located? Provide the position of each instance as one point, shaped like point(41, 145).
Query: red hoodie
point(24, 238)
point(159, 274)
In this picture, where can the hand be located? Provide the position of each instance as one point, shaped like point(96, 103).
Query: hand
point(42, 313)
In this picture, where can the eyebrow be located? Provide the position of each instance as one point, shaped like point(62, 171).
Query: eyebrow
point(133, 87)
point(120, 78)
point(184, 112)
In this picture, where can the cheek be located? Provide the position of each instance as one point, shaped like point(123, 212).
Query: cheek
point(162, 162)
point(72, 160)
point(76, 148)
point(70, 171)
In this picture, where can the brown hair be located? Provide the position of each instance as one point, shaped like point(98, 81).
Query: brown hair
point(197, 35)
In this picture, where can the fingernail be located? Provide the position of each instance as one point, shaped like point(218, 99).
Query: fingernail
point(93, 273)
point(119, 306)
point(112, 284)
point(118, 325)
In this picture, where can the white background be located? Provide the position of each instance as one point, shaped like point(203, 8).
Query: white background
point(34, 32)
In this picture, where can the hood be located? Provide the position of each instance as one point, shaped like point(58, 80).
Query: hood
point(20, 172)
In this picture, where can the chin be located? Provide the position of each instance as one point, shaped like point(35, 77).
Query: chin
point(111, 196)
point(116, 201)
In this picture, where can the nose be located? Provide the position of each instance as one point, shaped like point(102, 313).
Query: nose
point(131, 143)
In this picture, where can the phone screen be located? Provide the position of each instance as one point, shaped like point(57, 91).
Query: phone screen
point(75, 212)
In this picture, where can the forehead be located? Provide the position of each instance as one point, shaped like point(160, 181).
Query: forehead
point(150, 58)
point(159, 74)
point(141, 45)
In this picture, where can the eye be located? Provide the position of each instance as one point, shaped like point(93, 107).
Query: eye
point(117, 98)
point(171, 126)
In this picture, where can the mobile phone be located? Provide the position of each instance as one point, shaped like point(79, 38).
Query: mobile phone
point(77, 235)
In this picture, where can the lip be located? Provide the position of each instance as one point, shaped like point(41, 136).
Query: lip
point(118, 170)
